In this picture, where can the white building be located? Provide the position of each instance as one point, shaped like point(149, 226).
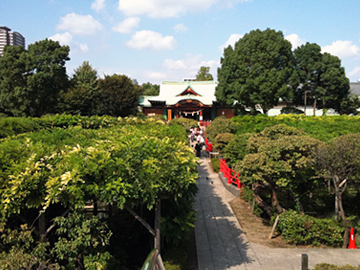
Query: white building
point(10, 38)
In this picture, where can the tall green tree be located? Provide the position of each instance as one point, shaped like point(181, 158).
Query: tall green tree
point(118, 96)
point(256, 71)
point(14, 99)
point(321, 80)
point(81, 96)
point(204, 75)
point(32, 79)
point(151, 89)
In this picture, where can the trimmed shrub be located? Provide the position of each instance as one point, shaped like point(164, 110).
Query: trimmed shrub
point(215, 164)
point(301, 229)
point(221, 140)
point(218, 126)
point(186, 122)
point(236, 149)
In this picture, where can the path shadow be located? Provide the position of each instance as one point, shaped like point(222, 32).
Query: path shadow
point(221, 244)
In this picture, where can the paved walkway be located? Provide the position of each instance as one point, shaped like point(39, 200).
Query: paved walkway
point(221, 243)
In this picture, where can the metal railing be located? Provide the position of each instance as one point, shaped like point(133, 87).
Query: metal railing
point(231, 175)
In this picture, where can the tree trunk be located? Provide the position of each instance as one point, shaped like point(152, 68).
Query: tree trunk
point(314, 108)
point(263, 205)
point(342, 214)
point(338, 197)
point(42, 227)
point(80, 262)
point(278, 207)
point(336, 215)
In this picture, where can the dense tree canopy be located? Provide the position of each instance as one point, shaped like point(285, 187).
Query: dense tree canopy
point(151, 89)
point(118, 96)
point(204, 75)
point(256, 71)
point(31, 80)
point(320, 79)
point(81, 96)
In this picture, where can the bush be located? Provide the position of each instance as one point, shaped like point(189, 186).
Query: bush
point(221, 140)
point(186, 122)
point(218, 126)
point(326, 266)
point(306, 230)
point(236, 149)
point(215, 164)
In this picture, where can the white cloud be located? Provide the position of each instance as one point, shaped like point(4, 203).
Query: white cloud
point(64, 39)
point(98, 5)
point(127, 25)
point(84, 48)
point(67, 39)
point(342, 48)
point(166, 8)
point(295, 40)
point(191, 64)
point(180, 28)
point(79, 24)
point(151, 40)
point(355, 72)
point(231, 41)
point(176, 70)
point(156, 75)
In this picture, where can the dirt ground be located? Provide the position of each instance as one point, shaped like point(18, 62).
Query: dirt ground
point(257, 230)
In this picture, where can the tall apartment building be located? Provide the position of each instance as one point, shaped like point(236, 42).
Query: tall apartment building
point(10, 38)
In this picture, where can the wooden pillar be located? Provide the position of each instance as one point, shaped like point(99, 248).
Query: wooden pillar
point(169, 115)
point(157, 223)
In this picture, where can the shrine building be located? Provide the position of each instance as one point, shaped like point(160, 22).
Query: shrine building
point(188, 98)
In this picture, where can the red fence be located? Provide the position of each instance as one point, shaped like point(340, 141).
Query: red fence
point(230, 174)
point(204, 123)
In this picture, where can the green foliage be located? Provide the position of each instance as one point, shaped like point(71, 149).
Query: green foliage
point(323, 128)
point(326, 266)
point(80, 98)
point(281, 159)
point(19, 251)
point(36, 93)
point(218, 126)
point(306, 230)
point(221, 140)
point(321, 77)
point(236, 149)
point(131, 161)
point(257, 71)
point(204, 75)
point(118, 96)
point(151, 89)
point(186, 122)
point(81, 237)
point(215, 164)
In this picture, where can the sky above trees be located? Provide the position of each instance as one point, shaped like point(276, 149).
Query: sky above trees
point(155, 40)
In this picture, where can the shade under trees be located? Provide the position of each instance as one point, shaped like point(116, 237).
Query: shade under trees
point(256, 71)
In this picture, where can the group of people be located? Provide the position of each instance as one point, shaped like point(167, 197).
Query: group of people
point(198, 136)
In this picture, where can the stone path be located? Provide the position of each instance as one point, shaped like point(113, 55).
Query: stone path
point(221, 243)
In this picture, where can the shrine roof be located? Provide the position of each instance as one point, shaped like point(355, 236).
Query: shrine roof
point(172, 92)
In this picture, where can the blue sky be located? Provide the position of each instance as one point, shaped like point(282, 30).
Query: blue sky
point(156, 40)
